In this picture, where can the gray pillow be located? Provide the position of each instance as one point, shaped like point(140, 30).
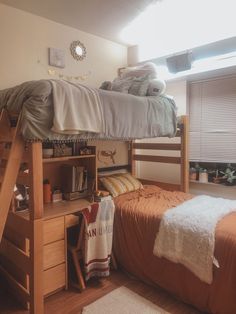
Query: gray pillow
point(139, 86)
point(121, 85)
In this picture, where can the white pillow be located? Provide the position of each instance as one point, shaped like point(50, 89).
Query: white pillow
point(156, 87)
point(121, 85)
point(147, 69)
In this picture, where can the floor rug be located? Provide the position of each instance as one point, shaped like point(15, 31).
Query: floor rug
point(122, 301)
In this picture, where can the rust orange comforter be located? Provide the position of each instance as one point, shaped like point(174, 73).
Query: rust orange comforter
point(137, 220)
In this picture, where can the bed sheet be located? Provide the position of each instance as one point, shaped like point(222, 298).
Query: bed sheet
point(137, 219)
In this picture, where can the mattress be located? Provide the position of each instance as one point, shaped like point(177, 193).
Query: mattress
point(137, 219)
point(124, 116)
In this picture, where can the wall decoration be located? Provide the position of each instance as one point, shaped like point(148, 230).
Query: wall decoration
point(62, 76)
point(111, 153)
point(78, 50)
point(57, 57)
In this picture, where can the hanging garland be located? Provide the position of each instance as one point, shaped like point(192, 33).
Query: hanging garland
point(62, 76)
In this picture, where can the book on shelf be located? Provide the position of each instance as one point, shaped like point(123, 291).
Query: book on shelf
point(75, 178)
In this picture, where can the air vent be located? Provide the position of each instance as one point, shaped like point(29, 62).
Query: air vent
point(178, 63)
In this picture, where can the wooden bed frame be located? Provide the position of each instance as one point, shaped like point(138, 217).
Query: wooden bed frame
point(22, 236)
point(182, 160)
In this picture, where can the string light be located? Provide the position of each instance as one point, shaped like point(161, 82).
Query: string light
point(62, 76)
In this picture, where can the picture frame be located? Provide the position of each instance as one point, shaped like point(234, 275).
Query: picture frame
point(57, 57)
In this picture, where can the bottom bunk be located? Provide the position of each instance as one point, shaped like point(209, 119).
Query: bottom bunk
point(137, 219)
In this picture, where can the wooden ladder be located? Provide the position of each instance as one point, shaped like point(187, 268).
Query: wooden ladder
point(11, 152)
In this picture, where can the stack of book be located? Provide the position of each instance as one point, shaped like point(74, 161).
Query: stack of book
point(75, 178)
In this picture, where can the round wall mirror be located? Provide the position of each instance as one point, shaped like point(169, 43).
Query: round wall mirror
point(78, 50)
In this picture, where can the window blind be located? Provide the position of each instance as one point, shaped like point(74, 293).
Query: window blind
point(212, 111)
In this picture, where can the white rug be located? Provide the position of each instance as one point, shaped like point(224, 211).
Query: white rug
point(122, 301)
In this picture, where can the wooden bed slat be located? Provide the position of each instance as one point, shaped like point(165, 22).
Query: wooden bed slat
point(163, 185)
point(11, 252)
point(154, 146)
point(163, 159)
point(184, 155)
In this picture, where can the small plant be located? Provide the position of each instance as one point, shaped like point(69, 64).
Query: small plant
point(228, 174)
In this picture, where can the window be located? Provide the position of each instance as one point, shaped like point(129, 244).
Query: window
point(212, 110)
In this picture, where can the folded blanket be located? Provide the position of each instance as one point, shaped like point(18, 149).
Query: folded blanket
point(98, 240)
point(187, 233)
point(77, 108)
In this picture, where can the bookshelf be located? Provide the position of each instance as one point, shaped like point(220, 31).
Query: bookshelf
point(52, 169)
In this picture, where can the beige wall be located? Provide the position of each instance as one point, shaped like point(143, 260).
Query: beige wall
point(25, 38)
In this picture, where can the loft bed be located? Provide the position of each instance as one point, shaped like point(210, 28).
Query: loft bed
point(25, 238)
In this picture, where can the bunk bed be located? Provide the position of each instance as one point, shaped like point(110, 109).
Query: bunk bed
point(26, 121)
point(27, 237)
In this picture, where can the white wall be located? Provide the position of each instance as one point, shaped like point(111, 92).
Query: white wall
point(25, 38)
point(160, 171)
point(178, 89)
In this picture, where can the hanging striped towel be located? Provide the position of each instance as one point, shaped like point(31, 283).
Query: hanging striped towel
point(99, 219)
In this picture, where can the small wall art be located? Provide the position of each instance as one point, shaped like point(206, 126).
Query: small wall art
point(57, 57)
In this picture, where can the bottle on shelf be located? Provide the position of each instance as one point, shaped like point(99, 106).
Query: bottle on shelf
point(47, 192)
point(203, 175)
point(192, 174)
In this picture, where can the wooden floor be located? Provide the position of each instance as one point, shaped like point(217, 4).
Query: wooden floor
point(72, 302)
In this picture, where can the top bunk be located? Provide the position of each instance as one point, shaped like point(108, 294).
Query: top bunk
point(58, 110)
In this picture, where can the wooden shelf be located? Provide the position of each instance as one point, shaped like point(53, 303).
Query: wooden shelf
point(58, 209)
point(66, 158)
point(63, 208)
point(213, 184)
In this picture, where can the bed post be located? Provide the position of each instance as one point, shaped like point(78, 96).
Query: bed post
point(132, 161)
point(36, 222)
point(184, 154)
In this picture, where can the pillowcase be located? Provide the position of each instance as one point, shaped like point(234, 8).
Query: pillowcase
point(121, 85)
point(139, 86)
point(120, 183)
point(156, 87)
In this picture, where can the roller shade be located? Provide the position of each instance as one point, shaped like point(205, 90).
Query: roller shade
point(212, 110)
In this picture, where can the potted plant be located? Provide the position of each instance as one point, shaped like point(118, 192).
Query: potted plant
point(229, 176)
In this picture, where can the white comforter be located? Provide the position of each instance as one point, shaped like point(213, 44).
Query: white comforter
point(187, 234)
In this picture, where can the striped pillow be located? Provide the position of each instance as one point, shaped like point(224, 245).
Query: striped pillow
point(120, 183)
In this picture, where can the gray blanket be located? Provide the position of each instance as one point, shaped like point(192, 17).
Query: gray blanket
point(126, 117)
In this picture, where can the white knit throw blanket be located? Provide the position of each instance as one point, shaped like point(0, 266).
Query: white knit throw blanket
point(187, 233)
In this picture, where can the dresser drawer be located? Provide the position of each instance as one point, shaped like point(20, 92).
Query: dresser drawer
point(53, 254)
point(54, 279)
point(71, 220)
point(53, 230)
